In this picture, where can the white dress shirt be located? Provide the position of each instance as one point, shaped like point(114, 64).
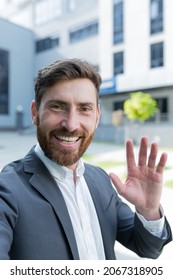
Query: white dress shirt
point(82, 211)
point(80, 207)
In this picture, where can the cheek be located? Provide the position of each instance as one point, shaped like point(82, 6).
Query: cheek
point(49, 121)
point(90, 125)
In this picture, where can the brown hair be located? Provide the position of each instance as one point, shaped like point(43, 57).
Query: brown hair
point(61, 70)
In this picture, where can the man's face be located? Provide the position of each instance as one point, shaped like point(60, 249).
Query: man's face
point(66, 120)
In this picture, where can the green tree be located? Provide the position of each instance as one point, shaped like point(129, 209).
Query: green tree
point(140, 106)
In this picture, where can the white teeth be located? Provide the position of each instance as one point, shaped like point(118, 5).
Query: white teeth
point(68, 139)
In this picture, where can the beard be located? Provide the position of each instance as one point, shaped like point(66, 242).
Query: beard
point(63, 156)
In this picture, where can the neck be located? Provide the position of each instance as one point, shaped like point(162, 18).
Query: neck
point(73, 167)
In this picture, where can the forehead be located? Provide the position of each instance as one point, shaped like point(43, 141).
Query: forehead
point(78, 90)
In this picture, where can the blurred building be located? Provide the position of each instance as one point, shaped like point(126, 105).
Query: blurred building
point(59, 29)
point(130, 42)
point(136, 46)
point(62, 28)
point(16, 74)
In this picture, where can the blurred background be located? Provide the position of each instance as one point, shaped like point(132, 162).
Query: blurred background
point(130, 42)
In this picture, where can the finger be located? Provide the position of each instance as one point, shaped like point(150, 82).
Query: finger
point(117, 183)
point(162, 163)
point(130, 155)
point(143, 151)
point(153, 155)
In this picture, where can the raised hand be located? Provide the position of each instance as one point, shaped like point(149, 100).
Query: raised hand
point(143, 186)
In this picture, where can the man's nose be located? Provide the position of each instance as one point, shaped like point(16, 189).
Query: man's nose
point(71, 121)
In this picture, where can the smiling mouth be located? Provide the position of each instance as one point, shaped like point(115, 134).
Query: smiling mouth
point(68, 140)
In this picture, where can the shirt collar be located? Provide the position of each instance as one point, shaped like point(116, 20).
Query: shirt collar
point(58, 171)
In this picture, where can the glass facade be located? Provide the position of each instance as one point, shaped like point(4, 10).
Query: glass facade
point(4, 81)
point(118, 18)
point(156, 16)
point(85, 32)
point(47, 43)
point(118, 63)
point(157, 57)
point(47, 10)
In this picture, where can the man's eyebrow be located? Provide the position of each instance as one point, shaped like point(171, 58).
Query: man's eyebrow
point(55, 101)
point(85, 104)
point(66, 103)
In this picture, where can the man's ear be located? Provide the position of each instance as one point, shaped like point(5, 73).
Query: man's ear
point(34, 113)
point(98, 115)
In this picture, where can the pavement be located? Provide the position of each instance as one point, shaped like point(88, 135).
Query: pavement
point(15, 145)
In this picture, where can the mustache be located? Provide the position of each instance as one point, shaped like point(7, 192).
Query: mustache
point(65, 132)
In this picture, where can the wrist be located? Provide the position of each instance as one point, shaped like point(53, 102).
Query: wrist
point(149, 214)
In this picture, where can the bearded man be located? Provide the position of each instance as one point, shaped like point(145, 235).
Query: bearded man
point(53, 205)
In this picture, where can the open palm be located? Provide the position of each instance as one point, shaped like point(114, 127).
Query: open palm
point(143, 186)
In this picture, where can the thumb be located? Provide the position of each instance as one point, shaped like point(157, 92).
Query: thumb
point(117, 183)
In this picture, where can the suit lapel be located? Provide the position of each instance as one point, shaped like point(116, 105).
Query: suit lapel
point(44, 183)
point(93, 186)
point(47, 187)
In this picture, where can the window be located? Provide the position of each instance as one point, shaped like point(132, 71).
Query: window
point(84, 33)
point(71, 5)
point(47, 43)
point(157, 59)
point(46, 10)
point(118, 105)
point(162, 105)
point(118, 63)
point(156, 16)
point(118, 22)
point(4, 72)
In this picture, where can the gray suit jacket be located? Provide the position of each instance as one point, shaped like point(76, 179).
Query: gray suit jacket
point(35, 224)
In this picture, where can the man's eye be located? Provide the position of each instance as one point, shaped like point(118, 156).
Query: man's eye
point(86, 109)
point(56, 107)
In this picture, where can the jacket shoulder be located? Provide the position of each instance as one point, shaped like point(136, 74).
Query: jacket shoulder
point(99, 177)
